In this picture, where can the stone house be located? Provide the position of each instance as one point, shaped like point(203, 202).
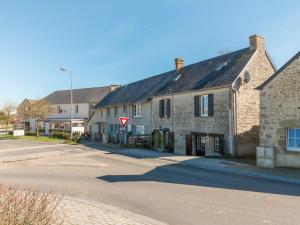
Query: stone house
point(133, 101)
point(211, 107)
point(279, 144)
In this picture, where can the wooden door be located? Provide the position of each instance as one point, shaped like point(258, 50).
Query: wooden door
point(188, 144)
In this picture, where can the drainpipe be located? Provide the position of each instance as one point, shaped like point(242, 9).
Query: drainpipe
point(172, 114)
point(233, 122)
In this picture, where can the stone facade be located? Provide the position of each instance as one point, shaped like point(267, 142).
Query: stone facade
point(183, 121)
point(280, 110)
point(258, 70)
point(236, 110)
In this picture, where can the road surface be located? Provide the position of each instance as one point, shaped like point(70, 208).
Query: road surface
point(152, 187)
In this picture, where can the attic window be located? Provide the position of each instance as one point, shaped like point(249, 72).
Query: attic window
point(247, 77)
point(222, 65)
point(177, 77)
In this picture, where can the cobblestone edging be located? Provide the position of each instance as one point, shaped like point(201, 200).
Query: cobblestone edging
point(83, 212)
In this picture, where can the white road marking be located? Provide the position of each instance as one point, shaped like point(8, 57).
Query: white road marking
point(32, 147)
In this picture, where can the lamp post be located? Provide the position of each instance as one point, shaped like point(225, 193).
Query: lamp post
point(71, 90)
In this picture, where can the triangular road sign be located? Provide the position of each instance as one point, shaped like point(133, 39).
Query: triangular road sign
point(123, 121)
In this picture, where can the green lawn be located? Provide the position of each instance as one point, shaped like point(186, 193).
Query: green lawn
point(32, 138)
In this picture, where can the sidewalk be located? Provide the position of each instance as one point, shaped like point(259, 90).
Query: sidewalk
point(231, 166)
point(82, 212)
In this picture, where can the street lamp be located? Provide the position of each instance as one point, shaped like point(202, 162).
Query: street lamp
point(71, 90)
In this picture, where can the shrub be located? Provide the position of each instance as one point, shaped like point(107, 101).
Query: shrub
point(29, 207)
point(60, 135)
point(76, 137)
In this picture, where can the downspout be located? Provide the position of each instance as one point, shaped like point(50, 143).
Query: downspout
point(172, 106)
point(232, 121)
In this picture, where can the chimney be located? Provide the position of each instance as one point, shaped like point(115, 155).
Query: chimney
point(257, 42)
point(179, 63)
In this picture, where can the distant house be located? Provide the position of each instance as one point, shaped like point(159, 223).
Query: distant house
point(279, 144)
point(84, 101)
point(210, 107)
point(29, 123)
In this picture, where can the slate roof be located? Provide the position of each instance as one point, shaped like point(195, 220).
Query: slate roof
point(84, 95)
point(210, 73)
point(278, 71)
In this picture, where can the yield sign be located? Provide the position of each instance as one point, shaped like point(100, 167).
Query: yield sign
point(123, 121)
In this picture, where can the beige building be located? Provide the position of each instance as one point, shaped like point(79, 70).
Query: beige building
point(84, 101)
point(212, 108)
point(279, 144)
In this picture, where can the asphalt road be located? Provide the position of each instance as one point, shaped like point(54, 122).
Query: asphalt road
point(152, 187)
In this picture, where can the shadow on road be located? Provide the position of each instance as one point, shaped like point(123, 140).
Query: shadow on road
point(183, 173)
point(178, 174)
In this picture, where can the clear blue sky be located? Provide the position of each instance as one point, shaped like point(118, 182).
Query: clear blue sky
point(105, 42)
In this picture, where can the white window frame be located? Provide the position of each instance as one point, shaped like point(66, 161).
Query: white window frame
point(204, 105)
point(295, 137)
point(165, 108)
point(137, 110)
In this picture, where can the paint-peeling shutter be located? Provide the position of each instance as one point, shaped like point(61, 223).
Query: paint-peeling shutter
point(196, 106)
point(168, 108)
point(161, 105)
point(210, 105)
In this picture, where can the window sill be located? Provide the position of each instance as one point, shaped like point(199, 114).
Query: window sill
point(137, 116)
point(293, 149)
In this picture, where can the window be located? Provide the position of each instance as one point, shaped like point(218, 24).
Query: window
point(137, 110)
point(204, 105)
point(217, 144)
point(59, 110)
point(76, 108)
point(165, 108)
point(293, 139)
point(101, 112)
point(108, 112)
point(116, 111)
point(200, 144)
point(125, 109)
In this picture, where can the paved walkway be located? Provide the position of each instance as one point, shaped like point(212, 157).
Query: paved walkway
point(82, 212)
point(232, 166)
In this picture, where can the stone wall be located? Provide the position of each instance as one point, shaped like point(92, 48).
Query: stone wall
point(183, 121)
point(280, 109)
point(258, 70)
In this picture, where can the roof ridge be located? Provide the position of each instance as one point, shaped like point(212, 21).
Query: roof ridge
point(297, 55)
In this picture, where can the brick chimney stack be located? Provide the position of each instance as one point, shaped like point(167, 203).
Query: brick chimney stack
point(257, 42)
point(179, 63)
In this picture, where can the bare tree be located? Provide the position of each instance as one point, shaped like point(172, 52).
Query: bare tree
point(7, 114)
point(37, 110)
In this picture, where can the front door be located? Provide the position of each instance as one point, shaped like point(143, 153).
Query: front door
point(200, 144)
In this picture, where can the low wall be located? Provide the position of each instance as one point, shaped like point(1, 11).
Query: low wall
point(265, 157)
point(268, 158)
